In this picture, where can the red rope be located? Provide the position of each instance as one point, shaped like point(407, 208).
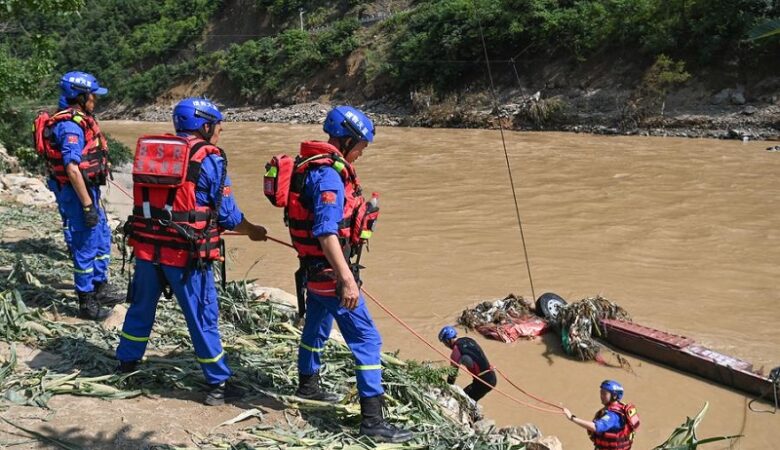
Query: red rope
point(420, 337)
point(119, 186)
point(475, 377)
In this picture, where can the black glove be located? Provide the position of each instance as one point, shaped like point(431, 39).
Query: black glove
point(90, 216)
point(453, 375)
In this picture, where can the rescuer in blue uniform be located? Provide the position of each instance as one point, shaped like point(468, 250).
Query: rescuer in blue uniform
point(54, 187)
point(199, 121)
point(350, 131)
point(613, 427)
point(86, 230)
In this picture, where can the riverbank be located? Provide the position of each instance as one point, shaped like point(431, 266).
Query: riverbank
point(76, 401)
point(581, 112)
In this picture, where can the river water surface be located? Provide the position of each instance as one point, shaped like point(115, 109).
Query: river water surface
point(682, 233)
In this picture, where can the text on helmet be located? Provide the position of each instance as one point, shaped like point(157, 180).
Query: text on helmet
point(357, 122)
point(80, 81)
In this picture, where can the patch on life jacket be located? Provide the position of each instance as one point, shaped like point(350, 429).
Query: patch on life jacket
point(328, 198)
point(632, 418)
point(160, 161)
point(226, 191)
point(73, 139)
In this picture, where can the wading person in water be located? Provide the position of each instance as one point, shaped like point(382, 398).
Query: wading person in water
point(614, 425)
point(466, 352)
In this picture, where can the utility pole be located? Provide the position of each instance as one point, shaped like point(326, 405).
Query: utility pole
point(300, 14)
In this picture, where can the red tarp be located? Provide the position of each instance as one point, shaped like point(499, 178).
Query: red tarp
point(515, 328)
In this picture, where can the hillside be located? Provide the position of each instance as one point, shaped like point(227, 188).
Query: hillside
point(683, 67)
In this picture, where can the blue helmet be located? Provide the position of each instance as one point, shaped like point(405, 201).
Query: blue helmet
point(191, 114)
point(614, 388)
point(74, 83)
point(447, 333)
point(346, 121)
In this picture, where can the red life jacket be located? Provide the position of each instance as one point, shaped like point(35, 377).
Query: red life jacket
point(94, 155)
point(466, 346)
point(620, 440)
point(167, 225)
point(357, 219)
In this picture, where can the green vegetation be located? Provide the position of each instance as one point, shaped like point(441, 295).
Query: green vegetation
point(141, 49)
point(765, 29)
point(257, 331)
point(261, 67)
point(439, 41)
point(684, 436)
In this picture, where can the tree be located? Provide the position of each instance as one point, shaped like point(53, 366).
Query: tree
point(664, 74)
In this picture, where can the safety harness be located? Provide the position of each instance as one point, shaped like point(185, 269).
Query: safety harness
point(167, 225)
point(94, 156)
point(620, 440)
point(469, 347)
point(284, 184)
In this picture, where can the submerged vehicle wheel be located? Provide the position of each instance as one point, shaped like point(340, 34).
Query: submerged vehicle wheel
point(548, 305)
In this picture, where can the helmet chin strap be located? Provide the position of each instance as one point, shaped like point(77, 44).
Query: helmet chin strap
point(347, 144)
point(207, 135)
point(81, 101)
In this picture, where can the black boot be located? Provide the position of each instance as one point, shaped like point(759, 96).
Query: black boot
point(127, 366)
point(89, 308)
point(374, 424)
point(217, 394)
point(309, 388)
point(108, 295)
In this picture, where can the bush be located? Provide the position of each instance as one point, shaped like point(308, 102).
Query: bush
point(439, 41)
point(16, 136)
point(118, 153)
point(260, 67)
point(543, 112)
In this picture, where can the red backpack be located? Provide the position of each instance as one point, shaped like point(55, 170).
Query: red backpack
point(276, 182)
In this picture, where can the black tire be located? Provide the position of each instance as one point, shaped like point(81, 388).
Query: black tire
point(548, 305)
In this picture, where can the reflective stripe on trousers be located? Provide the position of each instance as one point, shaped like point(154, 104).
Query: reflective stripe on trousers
point(197, 297)
point(359, 332)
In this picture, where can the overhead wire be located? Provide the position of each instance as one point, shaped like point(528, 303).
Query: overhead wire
point(503, 143)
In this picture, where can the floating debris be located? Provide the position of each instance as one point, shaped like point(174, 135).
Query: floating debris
point(506, 320)
point(498, 312)
point(578, 323)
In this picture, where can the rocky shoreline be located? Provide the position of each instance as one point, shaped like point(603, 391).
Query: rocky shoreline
point(726, 122)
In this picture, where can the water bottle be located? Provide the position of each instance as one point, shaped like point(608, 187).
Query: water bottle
point(374, 202)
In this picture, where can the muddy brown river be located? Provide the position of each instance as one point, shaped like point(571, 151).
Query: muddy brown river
point(684, 234)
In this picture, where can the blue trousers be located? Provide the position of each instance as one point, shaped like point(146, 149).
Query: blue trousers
point(90, 246)
point(359, 332)
point(54, 187)
point(197, 296)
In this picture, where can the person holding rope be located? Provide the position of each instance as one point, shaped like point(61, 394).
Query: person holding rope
point(182, 201)
point(466, 352)
point(76, 154)
point(614, 425)
point(329, 220)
